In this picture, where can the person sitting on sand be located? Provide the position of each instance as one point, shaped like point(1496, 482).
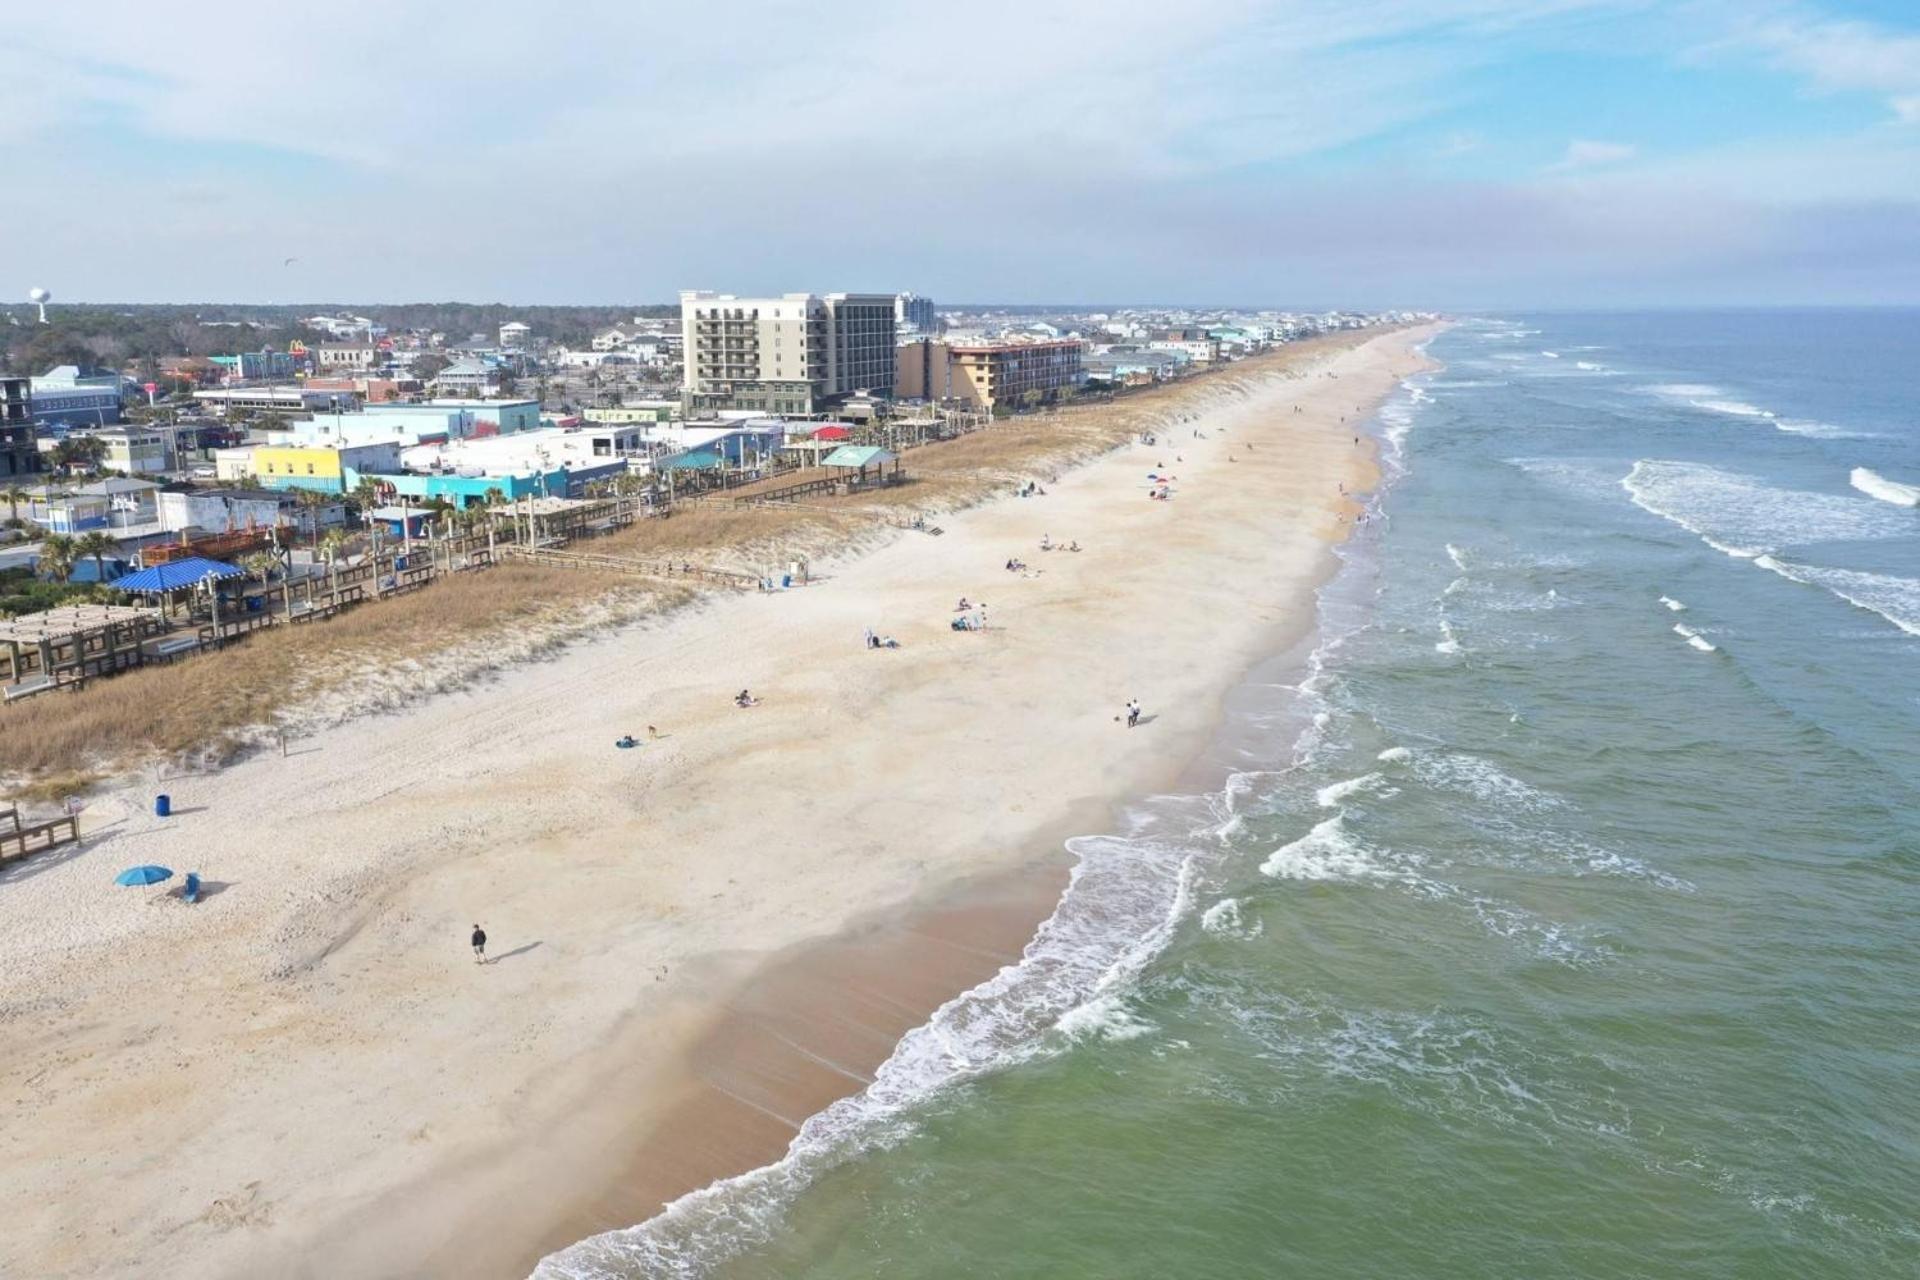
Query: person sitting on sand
point(1046, 542)
point(625, 742)
point(479, 945)
point(1074, 545)
point(745, 699)
point(963, 606)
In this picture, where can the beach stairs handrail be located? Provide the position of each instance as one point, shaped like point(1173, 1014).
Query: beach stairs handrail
point(25, 841)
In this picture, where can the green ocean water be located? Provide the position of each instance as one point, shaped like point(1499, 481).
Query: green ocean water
point(1556, 919)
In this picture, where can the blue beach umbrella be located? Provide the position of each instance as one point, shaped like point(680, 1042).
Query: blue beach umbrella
point(143, 875)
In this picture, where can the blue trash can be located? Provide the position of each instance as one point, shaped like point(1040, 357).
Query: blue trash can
point(162, 806)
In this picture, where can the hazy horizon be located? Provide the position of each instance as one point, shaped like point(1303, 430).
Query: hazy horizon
point(1456, 155)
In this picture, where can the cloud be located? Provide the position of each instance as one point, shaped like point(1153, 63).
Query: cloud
point(1841, 57)
point(1585, 154)
point(1108, 149)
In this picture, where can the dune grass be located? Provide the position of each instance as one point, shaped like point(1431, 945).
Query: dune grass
point(197, 704)
point(55, 744)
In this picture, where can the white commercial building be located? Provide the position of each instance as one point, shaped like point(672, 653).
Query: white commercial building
point(797, 353)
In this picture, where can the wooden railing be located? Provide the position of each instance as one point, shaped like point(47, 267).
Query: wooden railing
point(23, 841)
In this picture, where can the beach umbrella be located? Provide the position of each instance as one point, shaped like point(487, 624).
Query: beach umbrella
point(143, 875)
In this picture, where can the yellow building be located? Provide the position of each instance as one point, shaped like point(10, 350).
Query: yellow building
point(327, 468)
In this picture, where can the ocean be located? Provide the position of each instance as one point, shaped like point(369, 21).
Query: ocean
point(1557, 915)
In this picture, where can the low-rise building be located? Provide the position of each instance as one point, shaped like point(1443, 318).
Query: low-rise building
point(105, 505)
point(635, 411)
point(267, 399)
point(226, 510)
point(251, 365)
point(494, 417)
point(73, 397)
point(233, 464)
point(468, 377)
point(136, 450)
point(324, 468)
point(337, 357)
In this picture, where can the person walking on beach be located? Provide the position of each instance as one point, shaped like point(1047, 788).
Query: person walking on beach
point(479, 945)
point(1133, 713)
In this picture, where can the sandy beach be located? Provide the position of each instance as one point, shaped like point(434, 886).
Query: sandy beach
point(695, 944)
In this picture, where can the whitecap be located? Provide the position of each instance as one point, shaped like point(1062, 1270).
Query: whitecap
point(1327, 852)
point(1744, 516)
point(1333, 793)
point(1483, 781)
point(1875, 485)
point(1673, 604)
point(1394, 755)
point(1694, 638)
point(1225, 917)
point(1105, 1018)
point(1894, 598)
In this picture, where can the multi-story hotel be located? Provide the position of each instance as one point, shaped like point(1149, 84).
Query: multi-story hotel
point(987, 375)
point(19, 454)
point(798, 353)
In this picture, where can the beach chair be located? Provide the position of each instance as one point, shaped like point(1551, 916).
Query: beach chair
point(191, 889)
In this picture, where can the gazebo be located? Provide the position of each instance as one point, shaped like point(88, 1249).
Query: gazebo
point(164, 580)
point(859, 458)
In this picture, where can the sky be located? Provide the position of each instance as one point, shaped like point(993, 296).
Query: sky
point(1451, 154)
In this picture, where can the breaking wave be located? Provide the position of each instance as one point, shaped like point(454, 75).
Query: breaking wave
point(1875, 485)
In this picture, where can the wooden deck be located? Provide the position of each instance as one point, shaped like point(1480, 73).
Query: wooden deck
point(18, 840)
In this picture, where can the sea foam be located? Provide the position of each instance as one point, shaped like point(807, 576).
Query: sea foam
point(1327, 852)
point(1694, 638)
point(1894, 598)
point(1332, 794)
point(1744, 516)
point(1875, 485)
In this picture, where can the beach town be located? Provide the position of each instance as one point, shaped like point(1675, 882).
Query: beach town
point(731, 736)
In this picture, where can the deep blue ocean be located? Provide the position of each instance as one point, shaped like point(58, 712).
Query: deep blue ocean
point(1559, 915)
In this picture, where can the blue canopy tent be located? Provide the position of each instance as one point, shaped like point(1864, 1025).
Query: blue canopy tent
point(179, 575)
point(190, 572)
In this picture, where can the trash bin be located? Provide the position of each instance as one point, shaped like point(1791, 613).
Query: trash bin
point(162, 806)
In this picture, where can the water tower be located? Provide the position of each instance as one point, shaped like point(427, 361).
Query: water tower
point(40, 298)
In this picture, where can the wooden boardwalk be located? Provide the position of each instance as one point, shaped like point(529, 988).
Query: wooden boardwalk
point(17, 840)
point(665, 570)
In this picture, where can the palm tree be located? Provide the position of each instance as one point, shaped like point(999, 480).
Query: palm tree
point(95, 544)
point(57, 556)
point(313, 502)
point(332, 545)
point(365, 496)
point(261, 565)
point(14, 495)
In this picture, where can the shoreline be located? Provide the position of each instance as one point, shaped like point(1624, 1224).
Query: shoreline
point(460, 1137)
point(1013, 904)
